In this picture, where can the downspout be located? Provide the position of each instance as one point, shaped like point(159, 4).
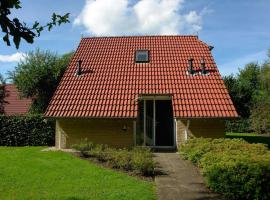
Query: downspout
point(186, 130)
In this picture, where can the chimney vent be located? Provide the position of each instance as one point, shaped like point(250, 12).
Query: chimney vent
point(79, 68)
point(203, 71)
point(210, 47)
point(190, 66)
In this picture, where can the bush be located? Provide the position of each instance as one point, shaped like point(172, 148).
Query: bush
point(138, 159)
point(32, 130)
point(241, 125)
point(121, 159)
point(142, 160)
point(233, 167)
point(84, 146)
point(238, 176)
point(100, 151)
point(251, 138)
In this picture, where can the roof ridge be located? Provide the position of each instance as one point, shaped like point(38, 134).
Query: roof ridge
point(130, 36)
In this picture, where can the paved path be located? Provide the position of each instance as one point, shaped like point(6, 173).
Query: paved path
point(180, 180)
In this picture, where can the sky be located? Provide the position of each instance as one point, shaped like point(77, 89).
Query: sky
point(238, 30)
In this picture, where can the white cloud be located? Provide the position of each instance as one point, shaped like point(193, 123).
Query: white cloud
point(120, 17)
point(16, 57)
point(193, 21)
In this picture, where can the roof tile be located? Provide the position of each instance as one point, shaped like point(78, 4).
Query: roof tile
point(111, 81)
point(13, 104)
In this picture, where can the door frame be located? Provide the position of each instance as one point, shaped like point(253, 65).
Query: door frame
point(155, 98)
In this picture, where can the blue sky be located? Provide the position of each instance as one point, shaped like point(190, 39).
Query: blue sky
point(239, 30)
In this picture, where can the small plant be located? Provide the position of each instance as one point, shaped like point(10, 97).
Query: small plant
point(138, 159)
point(84, 146)
point(121, 159)
point(99, 151)
point(142, 161)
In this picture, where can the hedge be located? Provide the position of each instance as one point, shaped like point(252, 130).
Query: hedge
point(240, 125)
point(233, 167)
point(251, 138)
point(32, 130)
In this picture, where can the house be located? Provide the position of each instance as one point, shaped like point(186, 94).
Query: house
point(12, 104)
point(140, 90)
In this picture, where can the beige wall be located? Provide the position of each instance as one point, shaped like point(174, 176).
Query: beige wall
point(212, 128)
point(109, 131)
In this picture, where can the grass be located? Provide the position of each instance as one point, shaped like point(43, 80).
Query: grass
point(29, 173)
point(250, 137)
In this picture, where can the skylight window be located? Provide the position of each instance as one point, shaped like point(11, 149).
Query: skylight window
point(142, 56)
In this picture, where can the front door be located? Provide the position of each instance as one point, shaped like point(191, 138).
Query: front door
point(155, 125)
point(164, 123)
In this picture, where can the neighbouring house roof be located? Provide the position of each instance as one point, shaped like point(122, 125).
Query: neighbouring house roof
point(13, 104)
point(111, 80)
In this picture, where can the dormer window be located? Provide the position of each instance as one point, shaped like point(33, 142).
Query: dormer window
point(142, 56)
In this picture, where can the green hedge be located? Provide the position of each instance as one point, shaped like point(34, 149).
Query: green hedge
point(233, 167)
point(251, 138)
point(240, 125)
point(32, 130)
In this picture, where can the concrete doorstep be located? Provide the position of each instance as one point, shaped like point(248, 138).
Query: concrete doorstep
point(180, 180)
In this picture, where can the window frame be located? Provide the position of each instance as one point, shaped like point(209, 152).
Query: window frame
point(142, 50)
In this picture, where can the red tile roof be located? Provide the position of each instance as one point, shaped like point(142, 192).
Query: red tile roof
point(112, 81)
point(14, 105)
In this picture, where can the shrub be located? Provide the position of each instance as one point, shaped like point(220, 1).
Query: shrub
point(84, 146)
point(251, 138)
point(238, 176)
point(121, 159)
point(31, 130)
point(195, 149)
point(142, 161)
point(138, 159)
point(233, 167)
point(99, 151)
point(241, 125)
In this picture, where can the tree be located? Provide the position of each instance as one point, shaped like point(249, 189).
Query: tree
point(248, 83)
point(231, 83)
point(19, 30)
point(38, 75)
point(260, 114)
point(243, 87)
point(2, 93)
point(250, 92)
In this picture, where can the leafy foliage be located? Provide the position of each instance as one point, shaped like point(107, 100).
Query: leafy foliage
point(19, 30)
point(260, 113)
point(241, 125)
point(250, 92)
point(251, 138)
point(32, 130)
point(138, 159)
point(233, 167)
point(243, 87)
point(38, 75)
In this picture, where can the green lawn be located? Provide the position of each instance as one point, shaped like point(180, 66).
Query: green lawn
point(251, 138)
point(28, 173)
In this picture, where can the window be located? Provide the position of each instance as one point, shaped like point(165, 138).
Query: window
point(142, 56)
